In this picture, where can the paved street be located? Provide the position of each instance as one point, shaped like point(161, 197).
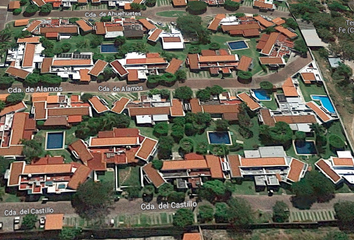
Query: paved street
point(5, 16)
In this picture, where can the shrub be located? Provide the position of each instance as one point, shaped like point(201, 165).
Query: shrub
point(231, 5)
point(214, 46)
point(17, 11)
point(73, 20)
point(106, 19)
point(194, 50)
point(197, 7)
point(186, 145)
point(157, 164)
point(202, 148)
point(189, 129)
point(66, 47)
point(153, 80)
point(177, 132)
point(244, 75)
point(150, 3)
point(161, 129)
point(31, 9)
point(168, 79)
point(265, 85)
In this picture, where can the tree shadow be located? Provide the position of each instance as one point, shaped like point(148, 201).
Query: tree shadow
point(303, 203)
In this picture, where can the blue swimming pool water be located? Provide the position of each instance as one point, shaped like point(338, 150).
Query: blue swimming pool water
point(219, 137)
point(261, 95)
point(305, 148)
point(237, 45)
point(55, 140)
point(325, 102)
point(108, 48)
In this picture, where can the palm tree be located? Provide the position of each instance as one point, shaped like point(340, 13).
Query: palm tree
point(318, 129)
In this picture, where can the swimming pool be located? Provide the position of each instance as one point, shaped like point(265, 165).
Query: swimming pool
point(237, 45)
point(55, 140)
point(325, 101)
point(262, 95)
point(219, 138)
point(108, 48)
point(306, 148)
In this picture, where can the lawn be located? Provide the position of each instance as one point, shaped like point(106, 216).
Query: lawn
point(310, 89)
point(171, 13)
point(108, 177)
point(129, 176)
point(272, 104)
point(251, 143)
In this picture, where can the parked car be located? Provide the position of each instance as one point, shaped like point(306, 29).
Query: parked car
point(1, 224)
point(42, 221)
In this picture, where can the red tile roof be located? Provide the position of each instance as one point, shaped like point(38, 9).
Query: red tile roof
point(84, 26)
point(270, 43)
point(71, 62)
point(215, 23)
point(146, 148)
point(54, 222)
point(84, 75)
point(14, 5)
point(193, 61)
point(192, 236)
point(184, 165)
point(253, 105)
point(16, 72)
point(295, 119)
point(278, 21)
point(262, 162)
point(245, 63)
point(193, 156)
point(296, 168)
point(308, 77)
point(46, 64)
point(100, 28)
point(286, 32)
point(267, 118)
point(195, 105)
point(82, 151)
point(234, 163)
point(98, 105)
point(179, 3)
point(18, 127)
point(272, 60)
point(227, 28)
point(28, 40)
point(33, 25)
point(342, 161)
point(114, 141)
point(262, 4)
point(138, 111)
point(174, 65)
point(177, 108)
point(120, 105)
point(328, 171)
point(28, 55)
point(146, 24)
point(63, 29)
point(155, 35)
point(13, 108)
point(40, 3)
point(153, 175)
point(16, 170)
point(222, 108)
point(215, 166)
point(119, 68)
point(289, 88)
point(319, 112)
point(79, 177)
point(133, 75)
point(263, 21)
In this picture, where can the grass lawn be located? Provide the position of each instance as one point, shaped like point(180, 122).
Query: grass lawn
point(146, 131)
point(129, 176)
point(107, 178)
point(272, 104)
point(9, 197)
point(310, 89)
point(171, 13)
point(251, 143)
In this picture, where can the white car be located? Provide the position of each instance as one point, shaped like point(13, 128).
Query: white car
point(17, 220)
point(42, 220)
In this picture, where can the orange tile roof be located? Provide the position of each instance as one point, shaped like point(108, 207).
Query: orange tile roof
point(13, 108)
point(46, 64)
point(278, 21)
point(75, 98)
point(153, 55)
point(21, 22)
point(40, 111)
point(47, 169)
point(296, 168)
point(308, 77)
point(39, 97)
point(54, 222)
point(18, 127)
point(234, 163)
point(184, 165)
point(179, 3)
point(98, 68)
point(80, 176)
point(227, 28)
point(328, 171)
point(100, 28)
point(119, 68)
point(127, 6)
point(146, 148)
point(84, 75)
point(153, 175)
point(40, 3)
point(193, 156)
point(28, 55)
point(53, 99)
point(215, 23)
point(286, 32)
point(16, 169)
point(263, 21)
point(155, 35)
point(11, 151)
point(222, 108)
point(3, 96)
point(177, 108)
point(145, 60)
point(342, 161)
point(52, 35)
point(16, 72)
point(215, 166)
point(71, 62)
point(74, 119)
point(267, 118)
point(193, 61)
point(82, 151)
point(270, 43)
point(174, 65)
point(271, 60)
point(133, 75)
point(64, 29)
point(171, 39)
point(262, 4)
point(33, 25)
point(249, 101)
point(98, 105)
point(83, 25)
point(73, 111)
point(120, 105)
point(14, 5)
point(319, 112)
point(146, 24)
point(192, 236)
point(293, 119)
point(116, 141)
point(217, 58)
point(195, 105)
point(245, 63)
point(260, 162)
point(138, 111)
point(250, 33)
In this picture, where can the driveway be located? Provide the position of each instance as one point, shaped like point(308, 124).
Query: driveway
point(5, 16)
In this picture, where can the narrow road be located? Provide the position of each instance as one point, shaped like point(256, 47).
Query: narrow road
point(5, 16)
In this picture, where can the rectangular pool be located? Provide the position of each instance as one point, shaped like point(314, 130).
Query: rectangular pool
point(108, 48)
point(261, 95)
point(55, 140)
point(219, 138)
point(305, 148)
point(325, 101)
point(237, 45)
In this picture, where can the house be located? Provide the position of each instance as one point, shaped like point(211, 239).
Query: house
point(172, 40)
point(174, 65)
point(110, 29)
point(286, 32)
point(275, 45)
point(48, 27)
point(14, 5)
point(273, 62)
point(245, 63)
point(338, 168)
point(192, 236)
point(21, 22)
point(153, 176)
point(321, 114)
point(85, 27)
point(214, 24)
point(54, 222)
point(278, 21)
point(310, 73)
point(179, 3)
point(98, 68)
point(264, 5)
point(98, 104)
point(251, 103)
point(263, 22)
point(46, 176)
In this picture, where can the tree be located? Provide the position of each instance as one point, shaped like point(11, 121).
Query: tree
point(202, 147)
point(86, 96)
point(181, 75)
point(291, 23)
point(161, 129)
point(268, 86)
point(194, 49)
point(51, 80)
point(31, 9)
point(23, 2)
point(2, 105)
point(243, 117)
point(31, 149)
point(157, 164)
point(203, 95)
point(336, 236)
point(29, 221)
point(46, 8)
point(148, 190)
point(186, 145)
point(105, 19)
point(96, 40)
point(214, 46)
point(69, 233)
point(244, 75)
point(93, 200)
point(165, 190)
point(216, 90)
point(345, 212)
point(168, 79)
point(281, 133)
point(136, 7)
point(184, 93)
point(300, 136)
point(189, 24)
point(336, 142)
point(221, 212)
point(15, 98)
point(177, 197)
point(177, 132)
point(337, 6)
point(6, 81)
point(17, 11)
point(165, 147)
point(221, 125)
point(280, 212)
point(4, 165)
point(204, 36)
point(231, 5)
point(183, 218)
point(32, 79)
point(73, 20)
point(300, 46)
point(66, 47)
point(205, 213)
point(119, 41)
point(179, 121)
point(213, 190)
point(196, 7)
point(150, 3)
point(240, 212)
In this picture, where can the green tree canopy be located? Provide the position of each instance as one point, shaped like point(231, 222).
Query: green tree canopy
point(183, 218)
point(268, 86)
point(4, 165)
point(32, 8)
point(15, 98)
point(181, 75)
point(161, 129)
point(300, 46)
point(93, 200)
point(69, 233)
point(336, 236)
point(205, 213)
point(186, 145)
point(345, 212)
point(231, 5)
point(300, 136)
point(46, 8)
point(165, 147)
point(281, 133)
point(184, 93)
point(196, 7)
point(86, 96)
point(203, 95)
point(221, 125)
point(2, 105)
point(157, 164)
point(244, 75)
point(221, 212)
point(17, 11)
point(336, 142)
point(240, 212)
point(165, 190)
point(216, 90)
point(31, 149)
point(29, 221)
point(280, 212)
